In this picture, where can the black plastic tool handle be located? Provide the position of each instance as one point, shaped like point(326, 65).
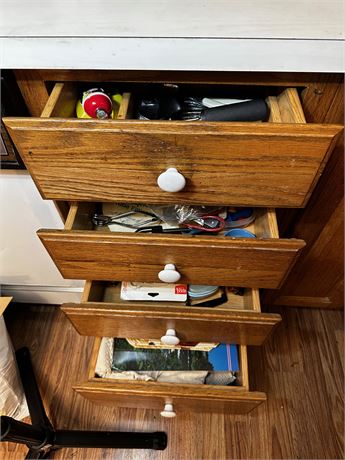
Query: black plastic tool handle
point(255, 110)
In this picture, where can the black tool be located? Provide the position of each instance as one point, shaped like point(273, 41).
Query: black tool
point(41, 438)
point(160, 229)
point(131, 219)
point(159, 103)
point(255, 110)
point(148, 108)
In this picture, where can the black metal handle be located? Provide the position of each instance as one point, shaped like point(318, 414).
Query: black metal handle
point(116, 439)
point(14, 431)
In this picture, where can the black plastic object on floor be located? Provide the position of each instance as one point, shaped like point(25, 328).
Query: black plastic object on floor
point(41, 438)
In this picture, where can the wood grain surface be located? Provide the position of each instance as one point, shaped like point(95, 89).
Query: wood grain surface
point(300, 368)
point(185, 398)
point(33, 89)
point(270, 79)
point(150, 395)
point(134, 319)
point(62, 101)
point(326, 270)
point(318, 278)
point(257, 164)
point(4, 302)
point(290, 107)
point(200, 260)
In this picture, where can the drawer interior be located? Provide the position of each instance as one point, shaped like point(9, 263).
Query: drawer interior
point(242, 377)
point(284, 104)
point(109, 293)
point(182, 397)
point(80, 218)
point(80, 252)
point(274, 164)
point(102, 313)
point(64, 97)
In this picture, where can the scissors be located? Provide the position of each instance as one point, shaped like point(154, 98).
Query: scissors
point(208, 223)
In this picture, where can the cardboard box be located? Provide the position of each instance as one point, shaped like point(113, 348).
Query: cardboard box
point(153, 292)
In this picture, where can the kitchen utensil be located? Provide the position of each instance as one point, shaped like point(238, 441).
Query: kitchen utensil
point(207, 223)
point(254, 110)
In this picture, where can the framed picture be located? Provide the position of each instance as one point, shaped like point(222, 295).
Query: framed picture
point(12, 104)
point(126, 357)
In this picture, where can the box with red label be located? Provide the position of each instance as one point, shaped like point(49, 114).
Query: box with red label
point(152, 292)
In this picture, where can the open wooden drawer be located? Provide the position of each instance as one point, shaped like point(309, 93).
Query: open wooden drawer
point(257, 164)
point(182, 397)
point(102, 313)
point(80, 252)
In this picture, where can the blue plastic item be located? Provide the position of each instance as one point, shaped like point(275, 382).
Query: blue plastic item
point(240, 233)
point(239, 217)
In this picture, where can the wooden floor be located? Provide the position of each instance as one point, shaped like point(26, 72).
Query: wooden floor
point(300, 368)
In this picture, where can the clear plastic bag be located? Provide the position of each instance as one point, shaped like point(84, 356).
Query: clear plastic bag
point(179, 213)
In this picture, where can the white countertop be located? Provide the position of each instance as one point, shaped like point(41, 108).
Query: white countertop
point(223, 35)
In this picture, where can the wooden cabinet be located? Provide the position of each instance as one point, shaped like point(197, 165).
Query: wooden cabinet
point(155, 395)
point(318, 278)
point(271, 164)
point(213, 260)
point(102, 313)
point(246, 164)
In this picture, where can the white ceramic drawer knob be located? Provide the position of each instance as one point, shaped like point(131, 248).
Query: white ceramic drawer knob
point(169, 274)
point(168, 411)
point(171, 181)
point(170, 338)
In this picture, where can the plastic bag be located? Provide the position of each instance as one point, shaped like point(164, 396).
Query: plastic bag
point(180, 213)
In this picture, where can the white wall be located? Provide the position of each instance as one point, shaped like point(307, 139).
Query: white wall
point(26, 271)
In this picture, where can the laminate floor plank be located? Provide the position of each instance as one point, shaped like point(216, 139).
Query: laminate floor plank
point(304, 380)
point(300, 368)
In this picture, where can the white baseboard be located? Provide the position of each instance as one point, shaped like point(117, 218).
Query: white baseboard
point(55, 295)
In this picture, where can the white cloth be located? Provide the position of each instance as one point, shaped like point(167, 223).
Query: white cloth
point(12, 398)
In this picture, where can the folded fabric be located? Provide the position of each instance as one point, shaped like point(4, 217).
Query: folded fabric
point(125, 375)
point(220, 378)
point(191, 377)
point(194, 377)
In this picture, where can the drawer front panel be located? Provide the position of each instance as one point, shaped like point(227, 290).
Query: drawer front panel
point(256, 164)
point(200, 260)
point(191, 398)
point(183, 397)
point(190, 323)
